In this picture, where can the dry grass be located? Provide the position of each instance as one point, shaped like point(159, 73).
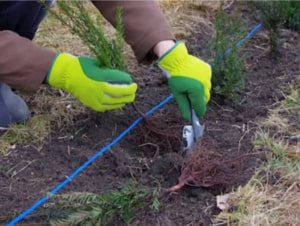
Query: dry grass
point(53, 35)
point(263, 204)
point(33, 132)
point(284, 118)
point(183, 15)
point(51, 109)
point(272, 196)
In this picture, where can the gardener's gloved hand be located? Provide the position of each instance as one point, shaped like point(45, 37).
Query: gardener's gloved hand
point(189, 79)
point(98, 88)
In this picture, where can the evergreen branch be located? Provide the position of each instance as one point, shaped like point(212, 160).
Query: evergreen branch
point(76, 17)
point(99, 209)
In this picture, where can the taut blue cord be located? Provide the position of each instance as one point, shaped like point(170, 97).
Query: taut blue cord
point(240, 42)
point(101, 151)
point(88, 162)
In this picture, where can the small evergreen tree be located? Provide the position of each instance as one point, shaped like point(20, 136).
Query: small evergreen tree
point(228, 74)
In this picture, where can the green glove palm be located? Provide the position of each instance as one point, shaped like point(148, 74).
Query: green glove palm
point(189, 79)
point(98, 88)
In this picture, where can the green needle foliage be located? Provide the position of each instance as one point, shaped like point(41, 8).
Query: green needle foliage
point(273, 14)
point(228, 74)
point(292, 17)
point(99, 209)
point(77, 18)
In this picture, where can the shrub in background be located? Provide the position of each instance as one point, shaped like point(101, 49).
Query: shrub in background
point(228, 74)
point(272, 14)
point(292, 15)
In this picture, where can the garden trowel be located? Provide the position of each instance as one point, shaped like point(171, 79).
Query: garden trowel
point(191, 133)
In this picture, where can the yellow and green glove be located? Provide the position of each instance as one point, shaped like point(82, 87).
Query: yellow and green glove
point(189, 79)
point(101, 89)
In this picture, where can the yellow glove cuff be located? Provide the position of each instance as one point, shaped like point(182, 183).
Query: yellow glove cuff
point(60, 70)
point(177, 62)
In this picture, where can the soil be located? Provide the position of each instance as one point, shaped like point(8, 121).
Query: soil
point(151, 153)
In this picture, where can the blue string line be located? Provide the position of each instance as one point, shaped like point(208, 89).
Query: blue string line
point(240, 42)
point(88, 162)
point(101, 151)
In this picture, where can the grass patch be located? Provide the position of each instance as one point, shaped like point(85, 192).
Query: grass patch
point(51, 109)
point(33, 132)
point(272, 196)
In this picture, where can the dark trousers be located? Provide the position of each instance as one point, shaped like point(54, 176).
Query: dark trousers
point(5, 117)
point(22, 17)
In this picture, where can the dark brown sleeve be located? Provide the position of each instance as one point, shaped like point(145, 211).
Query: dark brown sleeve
point(144, 23)
point(23, 65)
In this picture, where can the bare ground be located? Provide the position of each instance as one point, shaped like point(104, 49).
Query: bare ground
point(151, 153)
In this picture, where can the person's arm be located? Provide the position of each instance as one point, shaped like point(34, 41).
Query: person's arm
point(23, 64)
point(145, 27)
point(144, 23)
point(162, 47)
point(147, 31)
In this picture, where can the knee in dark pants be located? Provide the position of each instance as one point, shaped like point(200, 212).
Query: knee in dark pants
point(5, 117)
point(22, 17)
point(13, 107)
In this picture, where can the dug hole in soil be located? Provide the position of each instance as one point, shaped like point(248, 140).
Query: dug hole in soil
point(151, 153)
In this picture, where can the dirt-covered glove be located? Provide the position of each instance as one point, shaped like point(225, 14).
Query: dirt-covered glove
point(101, 89)
point(189, 79)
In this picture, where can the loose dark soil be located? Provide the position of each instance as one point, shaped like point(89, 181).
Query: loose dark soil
point(151, 153)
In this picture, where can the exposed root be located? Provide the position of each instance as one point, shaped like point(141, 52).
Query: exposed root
point(206, 167)
point(162, 129)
